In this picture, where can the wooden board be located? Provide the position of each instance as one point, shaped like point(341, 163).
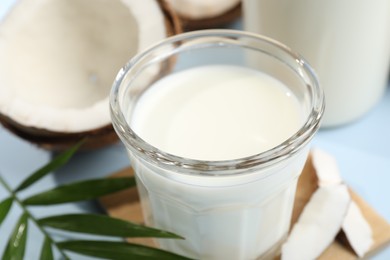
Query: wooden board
point(125, 205)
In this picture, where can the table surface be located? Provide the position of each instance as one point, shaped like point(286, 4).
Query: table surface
point(361, 148)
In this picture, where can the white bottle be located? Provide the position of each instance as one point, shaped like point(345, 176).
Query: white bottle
point(346, 41)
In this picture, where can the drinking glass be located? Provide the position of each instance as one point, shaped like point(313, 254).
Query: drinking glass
point(226, 209)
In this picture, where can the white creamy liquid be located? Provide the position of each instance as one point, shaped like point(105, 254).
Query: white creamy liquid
point(218, 112)
point(346, 41)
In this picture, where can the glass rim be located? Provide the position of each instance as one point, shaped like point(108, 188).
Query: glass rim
point(185, 165)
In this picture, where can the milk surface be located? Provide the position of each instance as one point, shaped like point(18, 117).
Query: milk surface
point(347, 42)
point(218, 112)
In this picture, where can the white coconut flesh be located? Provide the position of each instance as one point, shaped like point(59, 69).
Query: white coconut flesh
point(356, 228)
point(326, 168)
point(58, 59)
point(318, 224)
point(202, 9)
point(329, 210)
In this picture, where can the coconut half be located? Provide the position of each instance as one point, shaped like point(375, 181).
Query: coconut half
point(58, 60)
point(202, 14)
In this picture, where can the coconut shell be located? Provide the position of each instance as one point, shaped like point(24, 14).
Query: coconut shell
point(172, 21)
point(57, 141)
point(95, 138)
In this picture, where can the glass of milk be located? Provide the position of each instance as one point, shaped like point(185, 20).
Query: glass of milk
point(346, 41)
point(218, 141)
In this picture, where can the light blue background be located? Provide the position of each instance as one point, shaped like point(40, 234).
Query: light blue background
point(362, 150)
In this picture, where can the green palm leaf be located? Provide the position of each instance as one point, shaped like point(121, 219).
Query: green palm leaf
point(54, 164)
point(5, 206)
point(17, 243)
point(102, 225)
point(84, 190)
point(84, 223)
point(46, 251)
point(116, 250)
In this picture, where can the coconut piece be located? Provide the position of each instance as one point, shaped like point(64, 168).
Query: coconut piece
point(326, 168)
point(355, 227)
point(58, 60)
point(318, 224)
point(201, 14)
point(357, 230)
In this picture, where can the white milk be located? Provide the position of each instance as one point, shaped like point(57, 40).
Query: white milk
point(346, 41)
point(219, 112)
